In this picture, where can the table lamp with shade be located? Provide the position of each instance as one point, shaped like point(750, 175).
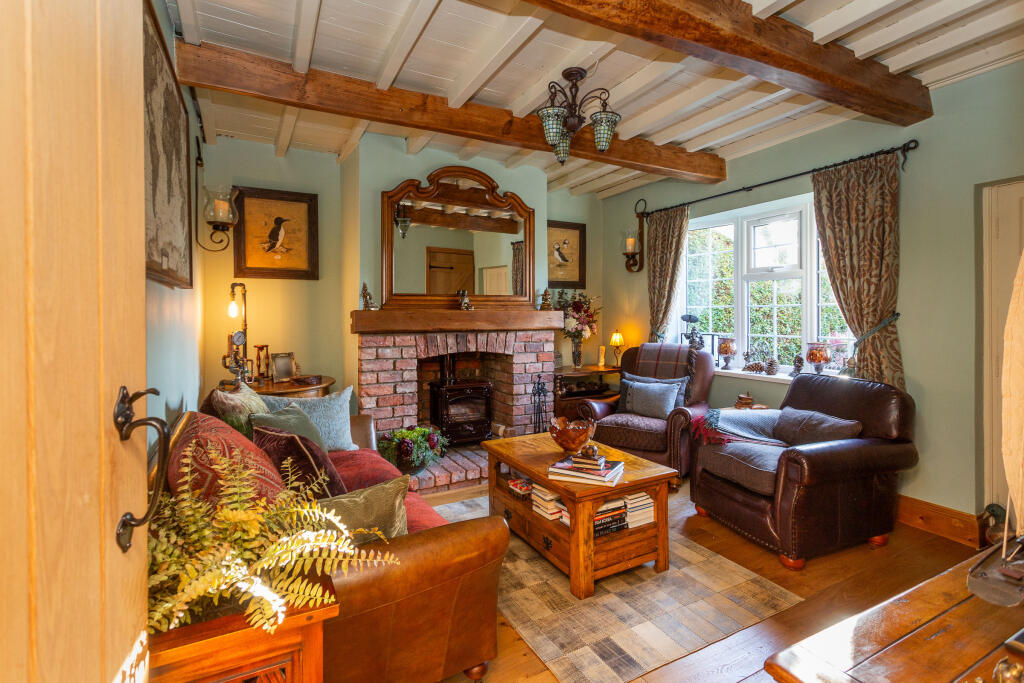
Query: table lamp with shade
point(617, 343)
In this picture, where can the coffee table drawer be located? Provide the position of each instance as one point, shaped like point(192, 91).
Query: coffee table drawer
point(513, 513)
point(549, 540)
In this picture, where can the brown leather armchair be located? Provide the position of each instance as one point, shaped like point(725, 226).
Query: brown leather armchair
point(663, 441)
point(822, 496)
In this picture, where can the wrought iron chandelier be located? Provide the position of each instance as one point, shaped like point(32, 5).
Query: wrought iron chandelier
point(563, 116)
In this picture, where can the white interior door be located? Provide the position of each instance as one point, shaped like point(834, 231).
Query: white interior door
point(1003, 242)
point(72, 330)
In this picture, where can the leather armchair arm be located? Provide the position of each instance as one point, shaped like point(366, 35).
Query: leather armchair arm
point(598, 408)
point(831, 461)
point(428, 558)
point(363, 433)
point(681, 418)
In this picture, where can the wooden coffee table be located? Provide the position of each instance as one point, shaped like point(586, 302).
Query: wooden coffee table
point(573, 549)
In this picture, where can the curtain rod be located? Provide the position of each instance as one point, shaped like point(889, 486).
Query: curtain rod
point(903, 149)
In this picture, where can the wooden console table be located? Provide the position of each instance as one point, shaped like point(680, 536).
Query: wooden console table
point(294, 389)
point(937, 630)
point(567, 403)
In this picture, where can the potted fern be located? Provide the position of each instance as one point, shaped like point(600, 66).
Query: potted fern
point(256, 555)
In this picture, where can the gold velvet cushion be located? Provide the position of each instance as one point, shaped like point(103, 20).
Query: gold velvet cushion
point(235, 407)
point(380, 507)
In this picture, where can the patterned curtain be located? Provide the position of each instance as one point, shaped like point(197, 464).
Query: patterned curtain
point(666, 239)
point(517, 268)
point(857, 209)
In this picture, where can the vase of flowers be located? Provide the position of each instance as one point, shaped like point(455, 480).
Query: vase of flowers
point(411, 450)
point(580, 323)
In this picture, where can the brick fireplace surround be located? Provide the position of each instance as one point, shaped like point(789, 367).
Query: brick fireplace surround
point(392, 384)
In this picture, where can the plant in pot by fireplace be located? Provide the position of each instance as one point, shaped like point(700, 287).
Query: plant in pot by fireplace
point(580, 323)
point(411, 450)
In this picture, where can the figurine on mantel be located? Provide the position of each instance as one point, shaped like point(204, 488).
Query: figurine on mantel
point(368, 302)
point(545, 301)
point(464, 300)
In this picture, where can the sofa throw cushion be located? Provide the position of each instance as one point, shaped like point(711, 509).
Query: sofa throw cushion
point(797, 427)
point(204, 435)
point(380, 507)
point(308, 461)
point(652, 400)
point(629, 378)
point(751, 465)
point(235, 407)
point(633, 432)
point(290, 419)
point(330, 415)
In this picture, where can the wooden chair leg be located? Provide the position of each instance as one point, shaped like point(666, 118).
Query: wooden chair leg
point(791, 564)
point(475, 673)
point(701, 511)
point(879, 541)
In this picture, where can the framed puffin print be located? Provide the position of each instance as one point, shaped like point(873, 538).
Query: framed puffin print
point(567, 255)
point(276, 234)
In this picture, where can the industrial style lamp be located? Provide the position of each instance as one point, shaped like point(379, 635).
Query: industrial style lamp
point(616, 343)
point(235, 360)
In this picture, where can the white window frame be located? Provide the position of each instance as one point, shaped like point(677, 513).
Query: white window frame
point(743, 220)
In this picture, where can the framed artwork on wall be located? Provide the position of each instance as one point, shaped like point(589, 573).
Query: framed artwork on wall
point(167, 172)
point(567, 255)
point(276, 234)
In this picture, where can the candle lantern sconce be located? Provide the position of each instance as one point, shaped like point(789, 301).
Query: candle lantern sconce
point(221, 215)
point(633, 242)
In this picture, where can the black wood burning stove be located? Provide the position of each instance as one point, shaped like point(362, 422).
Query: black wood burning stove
point(461, 409)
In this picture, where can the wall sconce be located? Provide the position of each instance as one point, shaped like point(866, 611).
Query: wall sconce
point(617, 343)
point(633, 242)
point(221, 215)
point(402, 222)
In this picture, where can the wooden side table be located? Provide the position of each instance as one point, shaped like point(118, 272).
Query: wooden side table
point(567, 402)
point(229, 650)
point(294, 389)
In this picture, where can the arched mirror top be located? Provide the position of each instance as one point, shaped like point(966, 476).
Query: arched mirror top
point(456, 232)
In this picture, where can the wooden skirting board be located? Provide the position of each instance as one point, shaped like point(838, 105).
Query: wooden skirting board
point(961, 527)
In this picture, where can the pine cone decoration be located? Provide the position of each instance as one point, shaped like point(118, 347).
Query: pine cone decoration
point(771, 367)
point(756, 366)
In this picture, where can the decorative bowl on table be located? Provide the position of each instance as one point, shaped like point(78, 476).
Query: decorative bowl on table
point(571, 436)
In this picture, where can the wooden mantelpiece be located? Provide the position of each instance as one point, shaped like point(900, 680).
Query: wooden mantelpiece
point(392, 320)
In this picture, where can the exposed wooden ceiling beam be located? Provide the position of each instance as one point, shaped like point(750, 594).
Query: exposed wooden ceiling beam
point(765, 8)
point(795, 106)
point(470, 149)
point(208, 114)
point(557, 170)
point(351, 142)
point(720, 114)
point(221, 68)
point(772, 49)
point(404, 40)
point(415, 143)
point(786, 131)
point(656, 72)
point(526, 156)
point(607, 180)
point(913, 25)
point(285, 130)
point(851, 17)
point(978, 60)
point(462, 221)
point(675, 106)
point(189, 15)
point(513, 31)
point(645, 179)
point(307, 12)
point(579, 176)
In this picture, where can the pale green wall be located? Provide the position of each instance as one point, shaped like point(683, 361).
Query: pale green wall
point(563, 206)
point(173, 316)
point(302, 316)
point(974, 137)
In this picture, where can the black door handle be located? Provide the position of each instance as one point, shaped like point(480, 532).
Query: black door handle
point(125, 422)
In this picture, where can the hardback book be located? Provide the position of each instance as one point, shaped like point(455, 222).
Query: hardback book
point(565, 467)
point(581, 480)
point(608, 530)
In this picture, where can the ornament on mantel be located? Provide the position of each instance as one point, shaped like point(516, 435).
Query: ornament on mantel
point(368, 302)
point(545, 301)
point(464, 303)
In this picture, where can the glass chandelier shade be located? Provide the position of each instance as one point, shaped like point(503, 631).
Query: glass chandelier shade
point(604, 123)
point(562, 148)
point(553, 119)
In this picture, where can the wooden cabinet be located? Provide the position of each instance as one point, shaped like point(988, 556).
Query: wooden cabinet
point(568, 397)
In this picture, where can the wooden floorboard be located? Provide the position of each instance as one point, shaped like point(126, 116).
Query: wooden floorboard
point(833, 587)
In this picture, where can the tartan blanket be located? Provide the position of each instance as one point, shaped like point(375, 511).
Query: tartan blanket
point(723, 425)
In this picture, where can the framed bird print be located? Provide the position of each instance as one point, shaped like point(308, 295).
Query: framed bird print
point(276, 234)
point(567, 255)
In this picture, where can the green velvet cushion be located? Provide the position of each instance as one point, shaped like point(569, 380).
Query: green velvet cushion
point(290, 419)
point(380, 507)
point(329, 413)
point(235, 407)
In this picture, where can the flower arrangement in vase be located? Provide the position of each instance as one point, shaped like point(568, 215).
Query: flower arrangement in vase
point(580, 322)
point(411, 450)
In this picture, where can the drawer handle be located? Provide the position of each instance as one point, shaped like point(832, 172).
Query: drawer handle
point(508, 515)
point(547, 542)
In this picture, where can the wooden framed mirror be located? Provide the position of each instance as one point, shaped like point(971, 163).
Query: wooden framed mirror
point(456, 232)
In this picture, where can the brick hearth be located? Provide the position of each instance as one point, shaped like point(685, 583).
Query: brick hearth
point(461, 467)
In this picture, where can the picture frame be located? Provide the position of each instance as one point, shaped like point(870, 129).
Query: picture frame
point(276, 234)
point(282, 366)
point(168, 178)
point(567, 255)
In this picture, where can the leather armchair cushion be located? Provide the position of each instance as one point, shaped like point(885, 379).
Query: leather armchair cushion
point(751, 465)
point(629, 378)
point(629, 431)
point(797, 427)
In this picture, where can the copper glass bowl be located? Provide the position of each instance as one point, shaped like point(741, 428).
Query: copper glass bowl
point(571, 436)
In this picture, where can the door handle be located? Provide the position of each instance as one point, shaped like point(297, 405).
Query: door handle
point(125, 423)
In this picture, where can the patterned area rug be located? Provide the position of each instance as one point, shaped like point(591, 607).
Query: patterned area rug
point(637, 620)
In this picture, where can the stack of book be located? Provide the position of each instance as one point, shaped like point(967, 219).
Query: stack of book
point(639, 509)
point(545, 503)
point(586, 462)
point(610, 517)
point(608, 474)
point(563, 512)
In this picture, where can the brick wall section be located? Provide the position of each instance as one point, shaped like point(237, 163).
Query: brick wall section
point(390, 385)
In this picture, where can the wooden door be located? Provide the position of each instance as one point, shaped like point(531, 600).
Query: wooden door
point(495, 280)
point(72, 330)
point(449, 270)
point(1003, 243)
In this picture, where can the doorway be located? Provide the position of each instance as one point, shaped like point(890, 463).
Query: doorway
point(450, 270)
point(1002, 244)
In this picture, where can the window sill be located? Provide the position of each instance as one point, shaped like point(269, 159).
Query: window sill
point(781, 378)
